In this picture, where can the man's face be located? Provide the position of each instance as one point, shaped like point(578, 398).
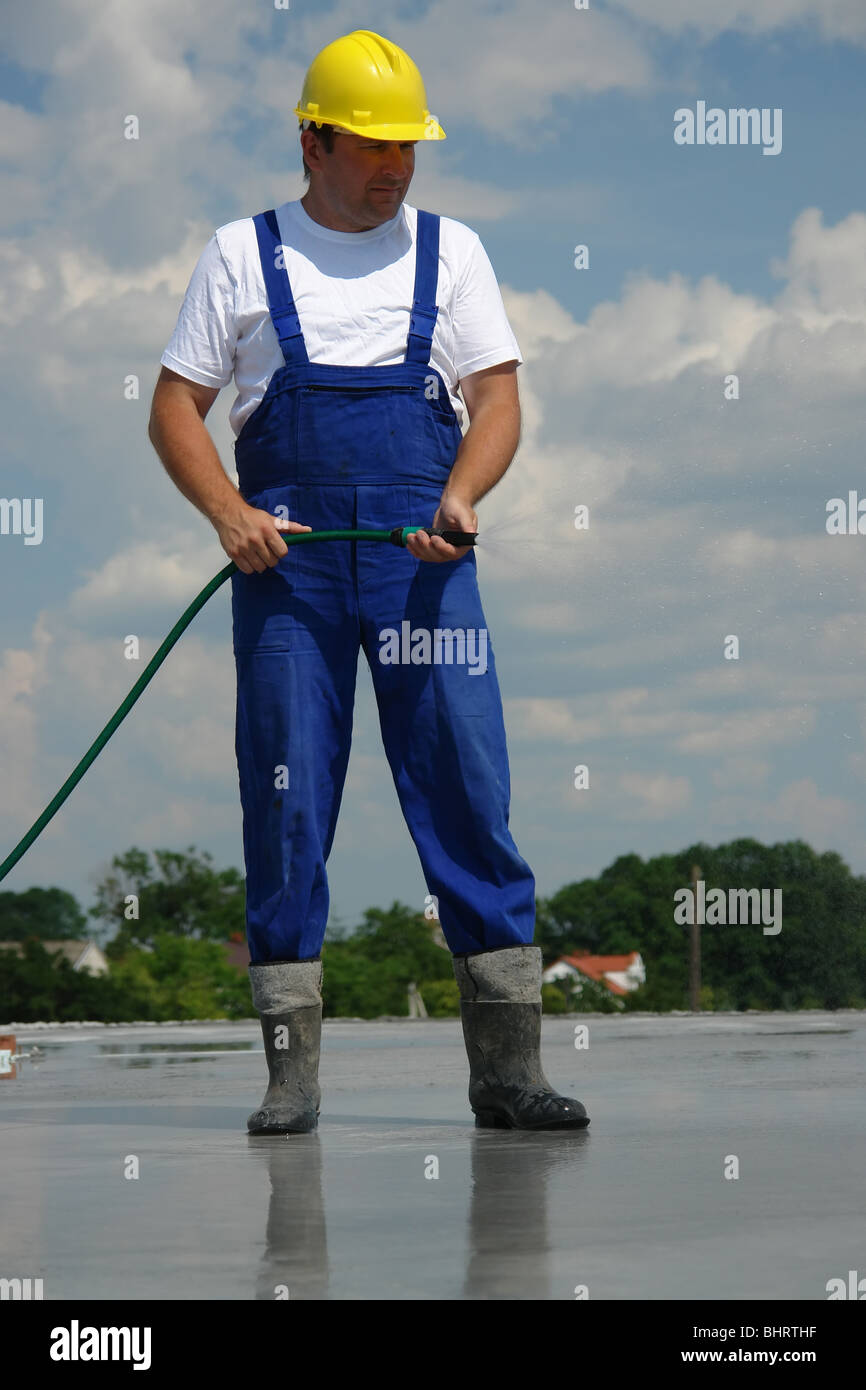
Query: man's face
point(362, 181)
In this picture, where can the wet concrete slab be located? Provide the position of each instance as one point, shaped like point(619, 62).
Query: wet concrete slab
point(398, 1196)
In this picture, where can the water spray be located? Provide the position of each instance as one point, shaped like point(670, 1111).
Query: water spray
point(398, 536)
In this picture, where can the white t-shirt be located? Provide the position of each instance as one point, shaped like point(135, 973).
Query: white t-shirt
point(353, 292)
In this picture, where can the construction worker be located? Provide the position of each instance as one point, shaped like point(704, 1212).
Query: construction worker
point(348, 320)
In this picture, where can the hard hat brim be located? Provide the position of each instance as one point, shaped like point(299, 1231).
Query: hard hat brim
point(428, 130)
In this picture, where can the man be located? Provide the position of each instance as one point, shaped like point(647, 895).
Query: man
point(349, 320)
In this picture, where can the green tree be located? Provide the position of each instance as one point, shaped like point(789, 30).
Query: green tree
point(820, 952)
point(818, 958)
point(354, 986)
point(193, 979)
point(399, 933)
point(177, 894)
point(441, 998)
point(38, 985)
point(553, 1000)
point(50, 914)
point(175, 979)
point(367, 974)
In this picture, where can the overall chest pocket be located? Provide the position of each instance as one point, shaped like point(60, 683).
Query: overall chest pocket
point(359, 434)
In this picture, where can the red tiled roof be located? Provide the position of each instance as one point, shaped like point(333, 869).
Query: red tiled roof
point(582, 960)
point(597, 967)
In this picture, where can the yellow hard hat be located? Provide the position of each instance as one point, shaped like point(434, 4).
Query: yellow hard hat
point(367, 85)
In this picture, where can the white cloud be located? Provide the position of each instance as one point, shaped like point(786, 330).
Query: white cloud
point(739, 774)
point(20, 676)
point(178, 821)
point(549, 720)
point(626, 414)
point(539, 321)
point(825, 270)
point(559, 617)
point(655, 796)
point(466, 199)
point(20, 132)
point(754, 728)
point(144, 575)
point(658, 331)
point(199, 748)
point(515, 63)
point(799, 811)
point(707, 19)
point(665, 716)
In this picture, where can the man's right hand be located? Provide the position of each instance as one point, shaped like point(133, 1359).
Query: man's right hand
point(252, 539)
point(249, 536)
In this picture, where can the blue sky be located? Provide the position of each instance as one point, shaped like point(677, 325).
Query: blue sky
point(707, 515)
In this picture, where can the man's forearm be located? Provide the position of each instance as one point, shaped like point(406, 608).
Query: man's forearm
point(190, 457)
point(485, 453)
point(248, 535)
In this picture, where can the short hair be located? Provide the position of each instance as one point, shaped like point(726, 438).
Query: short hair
point(324, 133)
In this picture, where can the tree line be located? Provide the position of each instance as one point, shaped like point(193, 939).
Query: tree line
point(163, 920)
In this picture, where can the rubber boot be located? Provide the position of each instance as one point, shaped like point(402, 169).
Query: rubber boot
point(287, 996)
point(501, 1013)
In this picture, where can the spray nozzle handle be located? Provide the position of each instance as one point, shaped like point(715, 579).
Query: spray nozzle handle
point(453, 537)
point(401, 534)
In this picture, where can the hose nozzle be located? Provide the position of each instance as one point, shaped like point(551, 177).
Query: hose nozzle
point(401, 534)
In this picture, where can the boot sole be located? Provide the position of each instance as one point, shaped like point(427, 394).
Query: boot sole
point(281, 1129)
point(276, 1127)
point(493, 1119)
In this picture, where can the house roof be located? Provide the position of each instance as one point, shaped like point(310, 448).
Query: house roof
point(74, 951)
point(599, 967)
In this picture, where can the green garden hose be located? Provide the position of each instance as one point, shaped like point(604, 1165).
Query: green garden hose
point(398, 536)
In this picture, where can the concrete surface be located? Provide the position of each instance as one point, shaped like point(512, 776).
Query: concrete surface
point(635, 1207)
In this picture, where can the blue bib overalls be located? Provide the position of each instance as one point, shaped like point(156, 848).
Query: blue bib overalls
point(363, 448)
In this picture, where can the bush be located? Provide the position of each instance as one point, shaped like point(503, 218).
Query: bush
point(441, 998)
point(553, 1001)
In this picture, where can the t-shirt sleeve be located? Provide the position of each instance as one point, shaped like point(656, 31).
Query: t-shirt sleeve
point(204, 341)
point(483, 337)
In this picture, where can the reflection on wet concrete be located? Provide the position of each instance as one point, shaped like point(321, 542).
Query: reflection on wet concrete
point(509, 1235)
point(295, 1263)
point(192, 1050)
point(509, 1217)
point(143, 1055)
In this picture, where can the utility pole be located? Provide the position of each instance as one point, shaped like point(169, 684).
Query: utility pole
point(695, 949)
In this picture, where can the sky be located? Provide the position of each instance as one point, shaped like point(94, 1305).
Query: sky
point(697, 385)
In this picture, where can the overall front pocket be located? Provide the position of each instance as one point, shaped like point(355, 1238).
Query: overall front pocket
point(359, 434)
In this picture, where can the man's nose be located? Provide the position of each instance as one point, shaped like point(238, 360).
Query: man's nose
point(395, 160)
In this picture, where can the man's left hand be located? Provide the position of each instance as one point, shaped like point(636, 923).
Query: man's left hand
point(454, 514)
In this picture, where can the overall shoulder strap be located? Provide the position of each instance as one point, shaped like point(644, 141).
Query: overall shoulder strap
point(422, 320)
point(278, 288)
